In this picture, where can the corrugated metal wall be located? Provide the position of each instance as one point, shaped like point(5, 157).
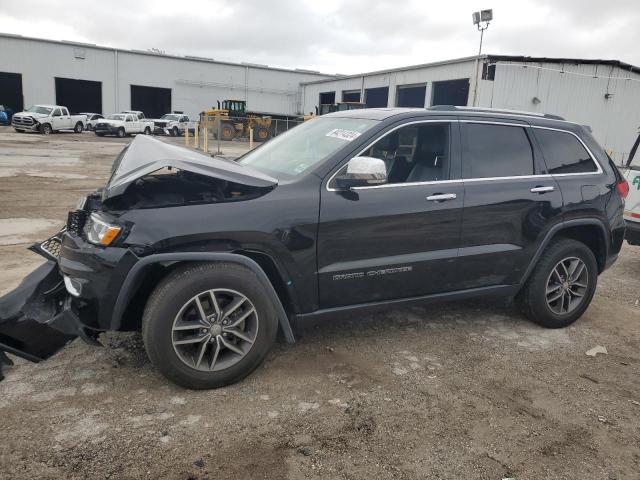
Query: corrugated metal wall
point(195, 85)
point(578, 95)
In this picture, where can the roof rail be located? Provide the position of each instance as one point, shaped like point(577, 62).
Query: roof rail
point(449, 108)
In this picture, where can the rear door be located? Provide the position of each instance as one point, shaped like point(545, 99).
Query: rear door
point(399, 239)
point(510, 202)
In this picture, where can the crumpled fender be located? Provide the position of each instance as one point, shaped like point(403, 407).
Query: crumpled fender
point(36, 319)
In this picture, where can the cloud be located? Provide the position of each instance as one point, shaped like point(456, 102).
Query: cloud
point(346, 36)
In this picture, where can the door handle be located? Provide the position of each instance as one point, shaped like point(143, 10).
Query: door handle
point(442, 197)
point(542, 189)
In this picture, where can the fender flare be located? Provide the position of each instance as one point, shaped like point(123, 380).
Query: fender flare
point(126, 291)
point(553, 231)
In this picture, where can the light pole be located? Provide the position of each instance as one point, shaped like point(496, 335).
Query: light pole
point(483, 16)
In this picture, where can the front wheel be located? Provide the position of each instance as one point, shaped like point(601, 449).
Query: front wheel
point(208, 325)
point(78, 128)
point(89, 127)
point(45, 129)
point(175, 132)
point(561, 286)
point(120, 133)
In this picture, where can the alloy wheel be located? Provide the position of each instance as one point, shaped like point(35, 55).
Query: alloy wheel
point(567, 285)
point(214, 330)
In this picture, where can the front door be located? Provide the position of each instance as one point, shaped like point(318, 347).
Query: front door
point(511, 202)
point(400, 239)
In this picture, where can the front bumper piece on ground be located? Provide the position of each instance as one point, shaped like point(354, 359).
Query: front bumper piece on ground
point(38, 318)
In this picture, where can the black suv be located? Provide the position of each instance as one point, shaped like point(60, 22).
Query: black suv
point(209, 258)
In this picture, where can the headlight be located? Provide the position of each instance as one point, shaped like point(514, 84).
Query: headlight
point(100, 232)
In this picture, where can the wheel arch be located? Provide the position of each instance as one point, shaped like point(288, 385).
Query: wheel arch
point(148, 272)
point(590, 231)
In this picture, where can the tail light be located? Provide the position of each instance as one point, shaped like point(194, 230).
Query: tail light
point(623, 188)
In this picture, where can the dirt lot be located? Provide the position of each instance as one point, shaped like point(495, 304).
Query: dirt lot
point(458, 390)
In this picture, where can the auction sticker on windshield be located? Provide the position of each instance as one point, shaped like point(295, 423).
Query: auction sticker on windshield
point(342, 134)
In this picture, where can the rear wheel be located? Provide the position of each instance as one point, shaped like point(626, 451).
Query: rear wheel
point(208, 325)
point(45, 129)
point(78, 128)
point(561, 286)
point(147, 131)
point(120, 133)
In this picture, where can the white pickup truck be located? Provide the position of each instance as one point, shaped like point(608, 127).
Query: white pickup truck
point(122, 124)
point(46, 119)
point(173, 124)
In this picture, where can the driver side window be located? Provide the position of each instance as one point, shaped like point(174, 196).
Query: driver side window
point(415, 153)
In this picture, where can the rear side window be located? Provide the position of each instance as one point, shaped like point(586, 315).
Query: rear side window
point(564, 153)
point(497, 151)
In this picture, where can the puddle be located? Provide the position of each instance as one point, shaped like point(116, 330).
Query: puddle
point(15, 231)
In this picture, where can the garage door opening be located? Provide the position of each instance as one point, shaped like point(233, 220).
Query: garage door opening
point(451, 92)
point(153, 101)
point(351, 96)
point(79, 95)
point(327, 98)
point(376, 97)
point(411, 96)
point(11, 91)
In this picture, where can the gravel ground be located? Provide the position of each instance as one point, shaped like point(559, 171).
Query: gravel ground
point(455, 390)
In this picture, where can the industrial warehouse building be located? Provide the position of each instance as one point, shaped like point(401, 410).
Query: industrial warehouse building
point(90, 78)
point(604, 94)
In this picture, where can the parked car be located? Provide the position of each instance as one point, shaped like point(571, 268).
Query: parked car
point(4, 119)
point(173, 124)
point(46, 119)
point(92, 119)
point(8, 112)
point(347, 212)
point(631, 173)
point(122, 124)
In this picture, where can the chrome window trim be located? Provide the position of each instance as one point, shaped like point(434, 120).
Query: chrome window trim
point(599, 170)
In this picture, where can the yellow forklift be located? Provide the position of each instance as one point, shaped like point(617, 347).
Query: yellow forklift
point(232, 120)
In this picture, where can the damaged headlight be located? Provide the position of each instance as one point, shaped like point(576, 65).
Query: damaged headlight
point(99, 231)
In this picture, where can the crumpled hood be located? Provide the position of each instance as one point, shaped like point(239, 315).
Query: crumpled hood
point(145, 155)
point(30, 114)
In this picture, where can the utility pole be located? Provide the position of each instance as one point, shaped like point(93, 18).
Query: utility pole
point(480, 18)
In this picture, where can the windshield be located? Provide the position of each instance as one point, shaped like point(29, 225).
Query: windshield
point(115, 116)
point(168, 116)
point(39, 109)
point(304, 146)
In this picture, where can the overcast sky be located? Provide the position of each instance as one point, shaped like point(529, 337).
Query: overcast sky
point(337, 36)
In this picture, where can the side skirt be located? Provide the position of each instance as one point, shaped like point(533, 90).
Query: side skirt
point(496, 290)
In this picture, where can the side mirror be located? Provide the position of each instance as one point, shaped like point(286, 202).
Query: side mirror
point(362, 172)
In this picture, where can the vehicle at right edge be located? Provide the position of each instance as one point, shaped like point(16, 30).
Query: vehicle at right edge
point(631, 172)
point(347, 212)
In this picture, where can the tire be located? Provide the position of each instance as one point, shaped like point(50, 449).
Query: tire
point(261, 134)
point(534, 298)
point(120, 133)
point(227, 131)
point(173, 300)
point(78, 128)
point(89, 127)
point(147, 131)
point(45, 129)
point(175, 132)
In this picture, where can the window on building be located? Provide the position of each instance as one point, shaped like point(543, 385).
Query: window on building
point(497, 151)
point(563, 152)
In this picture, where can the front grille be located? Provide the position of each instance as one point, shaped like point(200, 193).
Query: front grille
point(76, 221)
point(52, 246)
point(22, 121)
point(160, 124)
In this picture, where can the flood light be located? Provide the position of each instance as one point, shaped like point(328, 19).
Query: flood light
point(476, 18)
point(486, 15)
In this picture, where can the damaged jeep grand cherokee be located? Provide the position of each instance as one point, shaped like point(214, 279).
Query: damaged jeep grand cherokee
point(210, 258)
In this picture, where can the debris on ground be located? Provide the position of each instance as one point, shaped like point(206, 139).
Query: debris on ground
point(596, 350)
